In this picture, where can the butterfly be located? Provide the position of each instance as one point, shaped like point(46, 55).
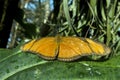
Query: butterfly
point(65, 48)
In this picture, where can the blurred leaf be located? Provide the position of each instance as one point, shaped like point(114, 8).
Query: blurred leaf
point(16, 65)
point(66, 11)
point(67, 16)
point(93, 4)
point(103, 12)
point(111, 7)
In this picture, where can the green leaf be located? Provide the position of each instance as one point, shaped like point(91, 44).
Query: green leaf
point(103, 11)
point(67, 16)
point(17, 65)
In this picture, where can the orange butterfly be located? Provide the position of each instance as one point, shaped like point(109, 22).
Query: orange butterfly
point(65, 48)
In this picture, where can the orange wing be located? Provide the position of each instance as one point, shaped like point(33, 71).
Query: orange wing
point(47, 48)
point(72, 48)
point(98, 48)
point(65, 48)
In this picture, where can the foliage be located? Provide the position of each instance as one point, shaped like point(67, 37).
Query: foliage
point(16, 65)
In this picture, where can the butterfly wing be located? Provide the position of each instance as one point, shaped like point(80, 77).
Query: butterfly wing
point(65, 48)
point(97, 47)
point(72, 48)
point(47, 48)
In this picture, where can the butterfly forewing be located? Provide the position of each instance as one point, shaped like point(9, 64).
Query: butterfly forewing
point(27, 46)
point(45, 47)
